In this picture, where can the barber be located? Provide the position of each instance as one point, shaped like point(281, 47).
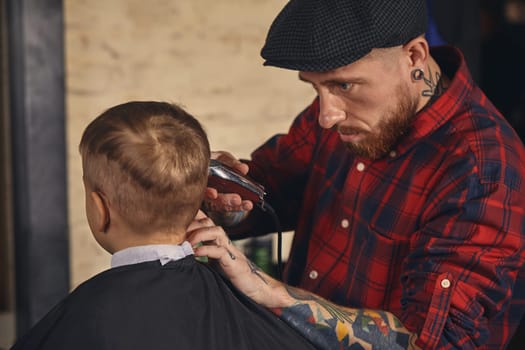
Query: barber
point(403, 184)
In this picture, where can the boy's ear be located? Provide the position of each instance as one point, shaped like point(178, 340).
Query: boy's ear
point(103, 217)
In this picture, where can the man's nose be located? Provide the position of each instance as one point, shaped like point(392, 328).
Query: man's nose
point(329, 113)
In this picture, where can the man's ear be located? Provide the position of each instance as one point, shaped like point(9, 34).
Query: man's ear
point(417, 51)
point(101, 206)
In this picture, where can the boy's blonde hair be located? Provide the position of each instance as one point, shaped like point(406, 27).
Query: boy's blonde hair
point(150, 160)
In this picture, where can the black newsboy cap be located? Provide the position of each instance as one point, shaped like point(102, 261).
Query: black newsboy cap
point(321, 35)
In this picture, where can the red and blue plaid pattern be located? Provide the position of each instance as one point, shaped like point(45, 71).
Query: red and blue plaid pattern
point(433, 233)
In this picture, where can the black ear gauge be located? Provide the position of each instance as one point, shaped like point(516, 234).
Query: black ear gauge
point(417, 74)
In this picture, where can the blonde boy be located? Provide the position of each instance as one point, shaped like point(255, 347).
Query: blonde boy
point(145, 172)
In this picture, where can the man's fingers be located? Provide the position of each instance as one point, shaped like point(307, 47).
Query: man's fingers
point(247, 205)
point(228, 159)
point(213, 243)
point(227, 202)
point(200, 222)
point(224, 254)
point(241, 167)
point(211, 193)
point(205, 231)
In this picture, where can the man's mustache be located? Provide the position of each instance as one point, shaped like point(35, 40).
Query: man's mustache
point(350, 130)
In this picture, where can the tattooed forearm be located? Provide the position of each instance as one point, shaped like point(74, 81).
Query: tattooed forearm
point(256, 270)
point(333, 327)
point(335, 312)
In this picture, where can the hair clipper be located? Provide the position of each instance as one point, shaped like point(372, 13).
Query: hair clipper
point(226, 180)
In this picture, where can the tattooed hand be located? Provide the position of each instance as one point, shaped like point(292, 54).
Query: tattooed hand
point(209, 240)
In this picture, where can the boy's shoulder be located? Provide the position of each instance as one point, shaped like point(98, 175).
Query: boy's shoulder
point(94, 307)
point(115, 281)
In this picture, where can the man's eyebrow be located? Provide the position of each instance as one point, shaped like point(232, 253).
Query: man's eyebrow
point(356, 80)
point(335, 80)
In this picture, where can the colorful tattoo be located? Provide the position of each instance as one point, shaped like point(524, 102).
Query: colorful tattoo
point(329, 326)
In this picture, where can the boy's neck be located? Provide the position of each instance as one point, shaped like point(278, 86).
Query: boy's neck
point(128, 240)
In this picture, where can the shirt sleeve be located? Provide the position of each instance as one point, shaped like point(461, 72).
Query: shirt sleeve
point(465, 260)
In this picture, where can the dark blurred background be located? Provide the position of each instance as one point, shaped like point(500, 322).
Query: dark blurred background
point(502, 73)
point(491, 34)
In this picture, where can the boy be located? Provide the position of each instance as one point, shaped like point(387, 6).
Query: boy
point(145, 170)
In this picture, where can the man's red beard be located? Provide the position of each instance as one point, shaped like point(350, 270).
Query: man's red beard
point(390, 129)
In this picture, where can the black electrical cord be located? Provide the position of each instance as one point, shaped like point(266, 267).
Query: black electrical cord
point(267, 208)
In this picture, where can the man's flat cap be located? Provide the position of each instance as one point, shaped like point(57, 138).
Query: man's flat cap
point(321, 35)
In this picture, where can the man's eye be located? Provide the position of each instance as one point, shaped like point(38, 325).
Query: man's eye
point(345, 86)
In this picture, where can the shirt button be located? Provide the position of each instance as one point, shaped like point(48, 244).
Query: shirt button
point(445, 283)
point(360, 166)
point(393, 154)
point(345, 223)
point(313, 274)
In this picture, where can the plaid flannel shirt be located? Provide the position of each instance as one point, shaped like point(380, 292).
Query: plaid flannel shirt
point(433, 233)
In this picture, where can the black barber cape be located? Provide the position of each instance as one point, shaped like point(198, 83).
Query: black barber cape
point(181, 305)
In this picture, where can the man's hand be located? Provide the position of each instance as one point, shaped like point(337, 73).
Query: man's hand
point(227, 208)
point(211, 241)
